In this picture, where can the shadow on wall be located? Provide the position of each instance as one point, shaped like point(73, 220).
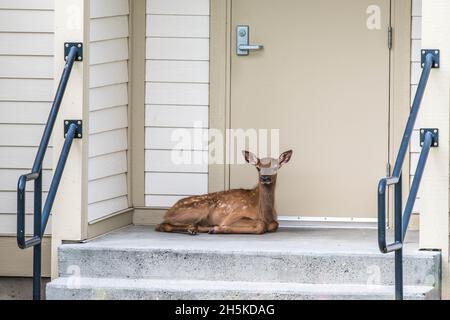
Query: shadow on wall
point(19, 288)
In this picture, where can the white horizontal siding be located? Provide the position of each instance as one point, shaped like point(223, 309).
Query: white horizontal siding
point(33, 90)
point(26, 93)
point(160, 201)
point(20, 112)
point(8, 202)
point(108, 74)
point(178, 49)
point(176, 161)
point(178, 7)
point(26, 20)
point(8, 182)
point(108, 165)
point(176, 183)
point(108, 142)
point(26, 67)
point(176, 139)
point(98, 210)
point(177, 93)
point(109, 8)
point(108, 118)
point(107, 97)
point(107, 188)
point(177, 116)
point(178, 26)
point(22, 157)
point(177, 100)
point(8, 224)
point(109, 51)
point(20, 135)
point(27, 44)
point(178, 71)
point(27, 4)
point(109, 28)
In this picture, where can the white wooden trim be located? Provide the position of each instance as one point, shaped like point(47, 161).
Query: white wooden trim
point(434, 219)
point(70, 209)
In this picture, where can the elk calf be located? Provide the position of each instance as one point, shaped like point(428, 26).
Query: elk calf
point(235, 211)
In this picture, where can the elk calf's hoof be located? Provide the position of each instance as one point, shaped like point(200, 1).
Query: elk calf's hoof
point(213, 230)
point(192, 231)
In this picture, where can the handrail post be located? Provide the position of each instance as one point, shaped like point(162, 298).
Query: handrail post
point(399, 239)
point(37, 249)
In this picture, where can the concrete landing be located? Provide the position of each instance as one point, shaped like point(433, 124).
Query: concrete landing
point(298, 240)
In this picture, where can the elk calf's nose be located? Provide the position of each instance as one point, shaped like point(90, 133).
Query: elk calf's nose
point(265, 178)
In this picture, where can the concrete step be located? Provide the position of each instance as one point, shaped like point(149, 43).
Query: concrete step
point(135, 289)
point(140, 253)
point(138, 263)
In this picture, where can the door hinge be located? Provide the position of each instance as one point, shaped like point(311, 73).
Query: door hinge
point(390, 37)
point(388, 169)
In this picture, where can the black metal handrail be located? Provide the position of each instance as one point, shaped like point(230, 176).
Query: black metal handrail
point(402, 218)
point(41, 217)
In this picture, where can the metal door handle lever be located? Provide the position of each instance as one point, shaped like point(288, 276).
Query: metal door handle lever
point(243, 47)
point(250, 47)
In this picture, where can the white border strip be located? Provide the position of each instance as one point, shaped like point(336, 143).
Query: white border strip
point(327, 222)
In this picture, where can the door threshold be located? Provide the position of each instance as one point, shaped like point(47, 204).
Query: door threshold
point(327, 222)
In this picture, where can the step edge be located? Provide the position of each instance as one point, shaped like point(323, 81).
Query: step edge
point(263, 287)
point(428, 255)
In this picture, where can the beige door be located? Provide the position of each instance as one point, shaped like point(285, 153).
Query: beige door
point(322, 79)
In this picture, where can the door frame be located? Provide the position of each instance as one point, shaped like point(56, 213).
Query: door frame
point(220, 89)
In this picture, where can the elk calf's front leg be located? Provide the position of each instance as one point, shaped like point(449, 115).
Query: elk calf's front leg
point(253, 227)
point(167, 227)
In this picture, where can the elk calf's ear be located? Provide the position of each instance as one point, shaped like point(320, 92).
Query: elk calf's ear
point(250, 157)
point(285, 158)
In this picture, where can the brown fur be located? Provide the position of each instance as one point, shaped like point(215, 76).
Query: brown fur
point(235, 211)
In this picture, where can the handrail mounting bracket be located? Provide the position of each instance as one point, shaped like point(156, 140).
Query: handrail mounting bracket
point(434, 132)
point(436, 57)
point(70, 45)
point(78, 132)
